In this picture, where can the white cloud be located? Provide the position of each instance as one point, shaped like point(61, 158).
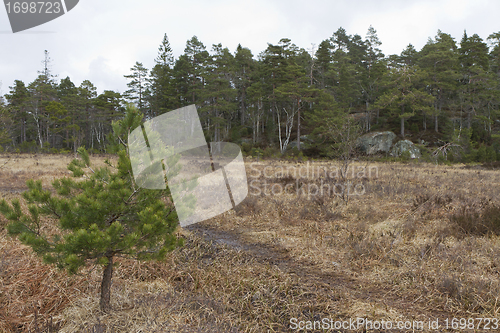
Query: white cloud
point(101, 40)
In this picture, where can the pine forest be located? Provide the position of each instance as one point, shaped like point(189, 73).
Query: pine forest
point(447, 92)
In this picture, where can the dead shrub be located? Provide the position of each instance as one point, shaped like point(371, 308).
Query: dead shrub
point(450, 285)
point(373, 215)
point(477, 219)
point(319, 208)
point(248, 206)
point(362, 245)
point(433, 201)
point(286, 179)
point(310, 212)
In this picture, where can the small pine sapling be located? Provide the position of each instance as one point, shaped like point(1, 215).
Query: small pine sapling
point(100, 214)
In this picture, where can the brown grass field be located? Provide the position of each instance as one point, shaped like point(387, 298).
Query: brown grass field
point(415, 243)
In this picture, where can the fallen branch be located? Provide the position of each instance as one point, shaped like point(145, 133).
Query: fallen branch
point(444, 149)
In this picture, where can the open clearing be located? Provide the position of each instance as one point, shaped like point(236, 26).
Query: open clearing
point(293, 249)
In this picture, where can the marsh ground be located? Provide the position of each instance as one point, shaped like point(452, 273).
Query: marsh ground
point(415, 242)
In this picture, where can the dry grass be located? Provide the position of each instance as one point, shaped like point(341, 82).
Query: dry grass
point(404, 249)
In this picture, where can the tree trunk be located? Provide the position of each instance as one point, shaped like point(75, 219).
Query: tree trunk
point(489, 118)
point(368, 116)
point(402, 127)
point(298, 128)
point(436, 123)
point(106, 285)
point(242, 107)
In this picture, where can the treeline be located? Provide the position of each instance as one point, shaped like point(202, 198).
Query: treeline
point(46, 116)
point(445, 92)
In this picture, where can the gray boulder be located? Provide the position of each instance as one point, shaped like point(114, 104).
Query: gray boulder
point(305, 143)
point(293, 144)
point(405, 145)
point(374, 142)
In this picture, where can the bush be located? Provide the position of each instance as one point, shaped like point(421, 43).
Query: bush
point(270, 152)
point(64, 151)
point(490, 154)
point(425, 153)
point(301, 156)
point(291, 153)
point(246, 147)
point(28, 147)
point(256, 152)
point(478, 219)
point(481, 154)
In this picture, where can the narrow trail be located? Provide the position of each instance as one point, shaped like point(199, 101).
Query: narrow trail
point(328, 283)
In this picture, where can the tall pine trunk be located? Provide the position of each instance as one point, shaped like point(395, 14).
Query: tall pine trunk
point(243, 107)
point(368, 116)
point(298, 128)
point(106, 285)
point(402, 121)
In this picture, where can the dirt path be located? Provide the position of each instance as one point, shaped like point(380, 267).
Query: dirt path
point(356, 288)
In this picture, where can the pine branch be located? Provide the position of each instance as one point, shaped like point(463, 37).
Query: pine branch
point(112, 219)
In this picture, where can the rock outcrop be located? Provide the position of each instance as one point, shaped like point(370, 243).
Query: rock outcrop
point(405, 145)
point(374, 142)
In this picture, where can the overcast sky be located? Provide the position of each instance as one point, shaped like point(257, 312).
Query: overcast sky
point(100, 40)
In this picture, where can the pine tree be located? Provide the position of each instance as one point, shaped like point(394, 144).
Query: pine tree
point(137, 85)
point(371, 74)
point(343, 69)
point(47, 72)
point(323, 60)
point(244, 67)
point(87, 93)
point(160, 84)
point(290, 92)
point(476, 80)
point(5, 124)
point(494, 39)
point(69, 98)
point(57, 122)
point(42, 91)
point(19, 99)
point(323, 117)
point(181, 79)
point(219, 94)
point(108, 108)
point(165, 54)
point(404, 97)
point(197, 57)
point(494, 104)
point(101, 215)
point(439, 58)
point(256, 96)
